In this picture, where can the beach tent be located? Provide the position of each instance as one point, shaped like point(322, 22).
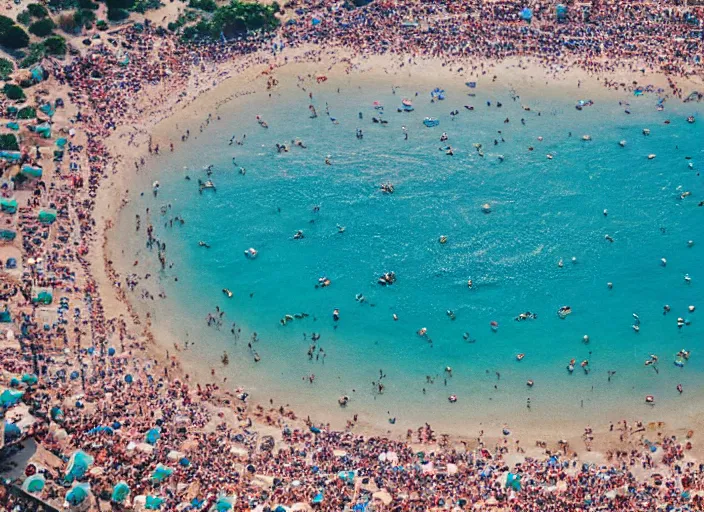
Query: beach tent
point(120, 492)
point(10, 397)
point(513, 481)
point(42, 296)
point(527, 14)
point(13, 126)
point(44, 130)
point(7, 235)
point(8, 204)
point(61, 142)
point(561, 12)
point(12, 156)
point(78, 494)
point(47, 216)
point(5, 316)
point(31, 171)
point(153, 435)
point(161, 473)
point(12, 432)
point(153, 503)
point(30, 379)
point(78, 465)
point(224, 503)
point(47, 109)
point(34, 483)
point(37, 73)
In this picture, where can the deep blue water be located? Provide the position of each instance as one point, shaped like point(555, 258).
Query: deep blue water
point(542, 211)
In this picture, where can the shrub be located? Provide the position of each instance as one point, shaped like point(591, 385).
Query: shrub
point(119, 4)
point(6, 69)
point(85, 15)
point(55, 45)
point(8, 142)
point(203, 5)
point(14, 38)
point(101, 25)
point(36, 53)
point(27, 113)
point(67, 23)
point(24, 17)
point(88, 4)
point(5, 23)
point(42, 28)
point(62, 5)
point(37, 11)
point(13, 92)
point(117, 14)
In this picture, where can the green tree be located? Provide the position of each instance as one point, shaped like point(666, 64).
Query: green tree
point(27, 113)
point(14, 38)
point(42, 28)
point(55, 45)
point(238, 18)
point(117, 14)
point(37, 11)
point(13, 92)
point(6, 69)
point(24, 18)
point(8, 142)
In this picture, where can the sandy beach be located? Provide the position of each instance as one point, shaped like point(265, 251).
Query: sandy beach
point(195, 97)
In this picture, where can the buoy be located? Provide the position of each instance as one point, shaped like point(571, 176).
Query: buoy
point(650, 399)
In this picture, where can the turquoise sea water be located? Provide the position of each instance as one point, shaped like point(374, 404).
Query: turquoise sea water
point(542, 211)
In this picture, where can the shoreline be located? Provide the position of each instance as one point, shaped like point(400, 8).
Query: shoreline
point(211, 100)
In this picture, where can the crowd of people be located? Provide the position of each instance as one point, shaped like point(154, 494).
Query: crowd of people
point(92, 385)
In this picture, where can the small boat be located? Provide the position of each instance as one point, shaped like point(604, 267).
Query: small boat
point(486, 208)
point(651, 156)
point(442, 239)
point(430, 122)
point(206, 185)
point(690, 119)
point(646, 131)
point(494, 325)
point(406, 102)
point(469, 107)
point(564, 311)
point(227, 292)
point(586, 137)
point(452, 399)
point(251, 253)
point(422, 331)
point(519, 357)
point(530, 383)
point(649, 399)
point(622, 143)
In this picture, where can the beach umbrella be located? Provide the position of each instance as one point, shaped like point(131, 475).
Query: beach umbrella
point(10, 397)
point(315, 430)
point(74, 375)
point(120, 492)
point(111, 351)
point(128, 379)
point(161, 473)
point(78, 494)
point(78, 465)
point(12, 431)
point(318, 498)
point(14, 382)
point(56, 413)
point(526, 14)
point(224, 503)
point(153, 435)
point(153, 503)
point(34, 483)
point(30, 379)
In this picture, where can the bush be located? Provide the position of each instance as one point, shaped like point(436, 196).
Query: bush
point(37, 11)
point(203, 5)
point(42, 28)
point(8, 142)
point(27, 113)
point(101, 25)
point(13, 92)
point(88, 4)
point(55, 45)
point(36, 53)
point(119, 4)
point(24, 17)
point(6, 69)
point(5, 23)
point(117, 14)
point(14, 38)
point(62, 5)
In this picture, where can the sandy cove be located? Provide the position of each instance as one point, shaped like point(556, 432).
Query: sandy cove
point(167, 110)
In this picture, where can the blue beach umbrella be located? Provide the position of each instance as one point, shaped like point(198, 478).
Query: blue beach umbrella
point(78, 465)
point(161, 473)
point(12, 431)
point(318, 498)
point(111, 351)
point(78, 494)
point(526, 14)
point(153, 435)
point(224, 503)
point(153, 503)
point(10, 397)
point(34, 483)
point(128, 379)
point(120, 492)
point(30, 379)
